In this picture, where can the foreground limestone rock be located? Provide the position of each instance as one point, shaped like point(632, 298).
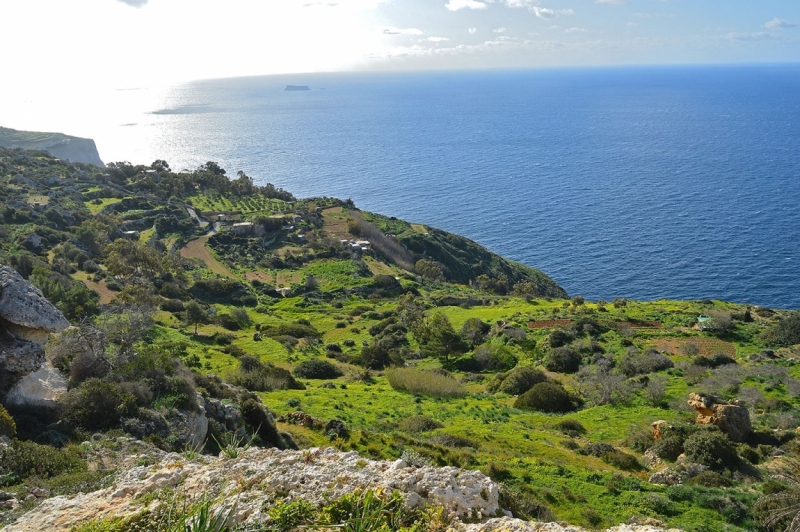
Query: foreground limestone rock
point(26, 320)
point(257, 478)
point(43, 388)
point(733, 420)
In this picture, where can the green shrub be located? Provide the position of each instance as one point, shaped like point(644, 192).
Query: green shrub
point(493, 358)
point(97, 405)
point(517, 381)
point(546, 397)
point(423, 382)
point(598, 449)
point(449, 440)
point(669, 447)
point(255, 415)
point(570, 427)
point(7, 425)
point(624, 461)
point(785, 333)
point(317, 369)
point(523, 505)
point(559, 338)
point(419, 424)
point(709, 479)
point(710, 448)
point(563, 360)
point(256, 376)
point(25, 458)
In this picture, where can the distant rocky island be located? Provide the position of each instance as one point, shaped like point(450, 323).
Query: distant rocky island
point(74, 149)
point(297, 88)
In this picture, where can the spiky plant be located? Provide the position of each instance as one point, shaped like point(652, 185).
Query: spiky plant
point(783, 506)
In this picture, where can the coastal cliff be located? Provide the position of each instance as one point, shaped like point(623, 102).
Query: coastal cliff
point(75, 149)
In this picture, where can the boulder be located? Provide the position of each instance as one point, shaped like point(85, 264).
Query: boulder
point(43, 388)
point(24, 305)
point(732, 419)
point(26, 320)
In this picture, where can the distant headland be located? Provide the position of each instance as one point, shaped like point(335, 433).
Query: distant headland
point(297, 88)
point(75, 149)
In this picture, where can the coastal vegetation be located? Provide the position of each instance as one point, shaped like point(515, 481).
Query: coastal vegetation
point(189, 290)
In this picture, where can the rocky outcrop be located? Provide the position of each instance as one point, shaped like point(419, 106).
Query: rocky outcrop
point(257, 478)
point(43, 388)
point(75, 149)
point(732, 419)
point(27, 319)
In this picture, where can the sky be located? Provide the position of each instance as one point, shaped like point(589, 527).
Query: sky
point(127, 43)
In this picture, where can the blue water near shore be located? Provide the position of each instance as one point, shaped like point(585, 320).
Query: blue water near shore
point(646, 183)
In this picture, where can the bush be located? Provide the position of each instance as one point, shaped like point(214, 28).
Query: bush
point(642, 364)
point(559, 338)
point(97, 405)
point(624, 461)
point(710, 448)
point(256, 376)
point(517, 381)
point(417, 381)
point(785, 333)
point(7, 426)
point(257, 417)
point(317, 369)
point(494, 358)
point(570, 427)
point(419, 424)
point(25, 458)
point(670, 447)
point(523, 505)
point(172, 305)
point(598, 449)
point(449, 440)
point(713, 361)
point(563, 360)
point(709, 479)
point(546, 397)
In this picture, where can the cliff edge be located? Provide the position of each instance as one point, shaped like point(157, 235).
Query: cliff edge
point(74, 149)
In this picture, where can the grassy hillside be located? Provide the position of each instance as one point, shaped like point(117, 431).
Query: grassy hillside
point(425, 344)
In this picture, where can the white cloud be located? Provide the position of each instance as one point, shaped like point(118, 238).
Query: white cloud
point(437, 39)
point(778, 24)
point(499, 30)
point(134, 3)
point(455, 5)
point(631, 24)
point(574, 30)
point(401, 31)
point(609, 1)
point(546, 13)
point(472, 31)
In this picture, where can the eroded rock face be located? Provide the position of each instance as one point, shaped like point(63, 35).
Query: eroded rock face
point(26, 320)
point(508, 524)
point(258, 477)
point(732, 419)
point(43, 388)
point(24, 305)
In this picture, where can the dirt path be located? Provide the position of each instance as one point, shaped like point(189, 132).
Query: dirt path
point(196, 249)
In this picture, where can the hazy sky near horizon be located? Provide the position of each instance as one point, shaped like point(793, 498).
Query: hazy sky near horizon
point(126, 43)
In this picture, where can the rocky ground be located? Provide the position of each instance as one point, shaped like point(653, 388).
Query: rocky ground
point(258, 478)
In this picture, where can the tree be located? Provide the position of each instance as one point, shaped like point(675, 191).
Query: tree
point(474, 331)
point(195, 314)
point(438, 338)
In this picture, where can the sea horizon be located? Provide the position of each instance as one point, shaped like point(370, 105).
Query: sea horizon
point(645, 181)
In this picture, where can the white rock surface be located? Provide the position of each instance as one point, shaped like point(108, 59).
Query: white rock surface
point(42, 388)
point(270, 475)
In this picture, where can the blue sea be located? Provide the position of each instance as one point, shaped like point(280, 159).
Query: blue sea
point(646, 183)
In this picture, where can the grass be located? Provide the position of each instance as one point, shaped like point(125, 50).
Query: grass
point(99, 204)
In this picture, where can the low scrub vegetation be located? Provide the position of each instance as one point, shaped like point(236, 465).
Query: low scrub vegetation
point(424, 382)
